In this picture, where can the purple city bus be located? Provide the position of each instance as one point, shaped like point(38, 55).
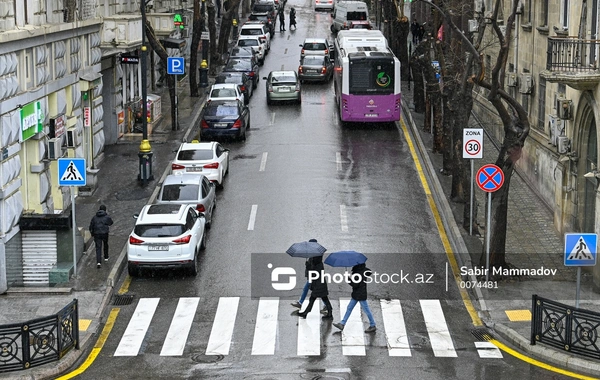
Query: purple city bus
point(366, 77)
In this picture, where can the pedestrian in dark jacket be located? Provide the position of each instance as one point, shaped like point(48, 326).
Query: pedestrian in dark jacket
point(281, 20)
point(414, 30)
point(99, 228)
point(359, 294)
point(318, 288)
point(307, 267)
point(292, 18)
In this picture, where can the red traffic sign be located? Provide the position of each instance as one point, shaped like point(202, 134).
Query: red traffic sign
point(490, 178)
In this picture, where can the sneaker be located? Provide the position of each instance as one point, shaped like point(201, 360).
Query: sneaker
point(371, 329)
point(324, 310)
point(106, 259)
point(296, 304)
point(327, 316)
point(98, 265)
point(339, 326)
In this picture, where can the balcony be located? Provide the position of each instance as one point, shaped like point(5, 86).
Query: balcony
point(573, 61)
point(123, 33)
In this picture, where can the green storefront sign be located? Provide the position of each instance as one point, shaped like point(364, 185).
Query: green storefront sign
point(32, 120)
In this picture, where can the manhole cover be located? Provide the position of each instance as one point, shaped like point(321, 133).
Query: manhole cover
point(123, 299)
point(482, 334)
point(199, 358)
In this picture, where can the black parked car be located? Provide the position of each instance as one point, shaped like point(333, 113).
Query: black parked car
point(224, 118)
point(243, 81)
point(244, 65)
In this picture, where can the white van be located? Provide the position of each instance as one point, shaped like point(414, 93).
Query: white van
point(347, 11)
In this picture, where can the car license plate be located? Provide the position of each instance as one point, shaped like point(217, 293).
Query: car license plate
point(194, 169)
point(311, 71)
point(158, 248)
point(220, 125)
point(371, 115)
point(284, 89)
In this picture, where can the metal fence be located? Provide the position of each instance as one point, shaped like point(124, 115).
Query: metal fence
point(565, 327)
point(572, 54)
point(39, 341)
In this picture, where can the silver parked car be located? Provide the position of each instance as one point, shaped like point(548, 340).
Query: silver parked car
point(190, 188)
point(283, 85)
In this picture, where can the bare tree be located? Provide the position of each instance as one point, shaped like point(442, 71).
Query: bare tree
point(198, 28)
point(226, 24)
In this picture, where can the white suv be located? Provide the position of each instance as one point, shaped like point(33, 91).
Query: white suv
point(258, 45)
point(258, 30)
point(166, 236)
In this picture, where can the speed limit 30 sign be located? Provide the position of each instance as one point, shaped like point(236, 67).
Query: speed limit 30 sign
point(472, 143)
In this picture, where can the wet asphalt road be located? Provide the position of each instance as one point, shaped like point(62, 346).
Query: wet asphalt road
point(301, 175)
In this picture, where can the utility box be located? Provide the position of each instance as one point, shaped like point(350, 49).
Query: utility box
point(526, 83)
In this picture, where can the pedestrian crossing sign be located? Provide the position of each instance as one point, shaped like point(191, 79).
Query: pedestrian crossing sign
point(71, 172)
point(580, 249)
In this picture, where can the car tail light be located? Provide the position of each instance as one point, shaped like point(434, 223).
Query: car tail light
point(204, 124)
point(214, 165)
point(326, 51)
point(243, 88)
point(237, 124)
point(135, 241)
point(270, 88)
point(300, 69)
point(184, 240)
point(251, 74)
point(177, 167)
point(200, 208)
point(297, 87)
point(338, 69)
point(302, 51)
point(324, 70)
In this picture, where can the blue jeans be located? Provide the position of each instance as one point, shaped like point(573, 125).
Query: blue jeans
point(305, 293)
point(365, 307)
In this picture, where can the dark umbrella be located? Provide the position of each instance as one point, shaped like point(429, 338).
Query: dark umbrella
point(306, 249)
point(345, 259)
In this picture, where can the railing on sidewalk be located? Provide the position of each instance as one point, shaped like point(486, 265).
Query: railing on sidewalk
point(39, 341)
point(572, 54)
point(565, 327)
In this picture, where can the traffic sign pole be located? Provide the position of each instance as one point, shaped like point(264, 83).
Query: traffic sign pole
point(488, 231)
point(473, 148)
point(74, 233)
point(578, 287)
point(490, 178)
point(471, 201)
point(581, 249)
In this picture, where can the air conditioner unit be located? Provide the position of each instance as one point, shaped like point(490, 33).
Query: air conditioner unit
point(55, 150)
point(478, 6)
point(526, 83)
point(503, 29)
point(473, 26)
point(564, 108)
point(72, 138)
point(186, 20)
point(512, 80)
point(556, 127)
point(562, 144)
point(185, 33)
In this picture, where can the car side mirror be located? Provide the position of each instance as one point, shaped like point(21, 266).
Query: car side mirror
point(265, 78)
point(135, 216)
point(226, 150)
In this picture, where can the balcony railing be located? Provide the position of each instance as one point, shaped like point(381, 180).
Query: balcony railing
point(572, 54)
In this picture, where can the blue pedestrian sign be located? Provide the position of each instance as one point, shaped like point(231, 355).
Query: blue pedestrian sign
point(580, 249)
point(175, 65)
point(71, 172)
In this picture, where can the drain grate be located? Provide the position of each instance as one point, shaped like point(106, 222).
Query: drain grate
point(123, 299)
point(482, 334)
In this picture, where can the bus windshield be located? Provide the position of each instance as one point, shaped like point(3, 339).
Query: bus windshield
point(370, 75)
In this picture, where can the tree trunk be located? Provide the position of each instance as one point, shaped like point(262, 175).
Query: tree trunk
point(213, 56)
point(226, 23)
point(402, 29)
point(418, 87)
point(427, 127)
point(438, 119)
point(198, 27)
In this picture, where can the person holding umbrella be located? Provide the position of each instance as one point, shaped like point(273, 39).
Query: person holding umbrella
point(318, 289)
point(358, 282)
point(305, 249)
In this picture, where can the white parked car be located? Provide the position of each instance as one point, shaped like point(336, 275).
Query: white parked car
point(257, 45)
point(260, 30)
point(166, 236)
point(225, 91)
point(210, 159)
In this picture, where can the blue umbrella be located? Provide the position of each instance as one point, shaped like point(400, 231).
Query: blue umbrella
point(306, 249)
point(345, 259)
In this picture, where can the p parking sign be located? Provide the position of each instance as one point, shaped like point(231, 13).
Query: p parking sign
point(175, 65)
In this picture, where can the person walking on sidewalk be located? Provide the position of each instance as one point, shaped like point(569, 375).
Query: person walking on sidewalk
point(306, 288)
point(281, 20)
point(292, 18)
point(359, 294)
point(99, 228)
point(318, 289)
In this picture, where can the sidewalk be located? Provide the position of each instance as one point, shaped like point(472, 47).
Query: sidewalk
point(532, 242)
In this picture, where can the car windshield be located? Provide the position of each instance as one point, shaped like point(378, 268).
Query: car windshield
point(261, 8)
point(234, 80)
point(258, 17)
point(238, 65)
point(315, 46)
point(281, 79)
point(313, 60)
point(221, 110)
point(356, 16)
point(159, 230)
point(180, 192)
point(248, 42)
point(223, 93)
point(251, 32)
point(195, 154)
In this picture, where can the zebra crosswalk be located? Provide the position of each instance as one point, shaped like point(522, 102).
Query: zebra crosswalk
point(268, 329)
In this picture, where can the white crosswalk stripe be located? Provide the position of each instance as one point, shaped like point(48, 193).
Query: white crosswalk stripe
point(271, 327)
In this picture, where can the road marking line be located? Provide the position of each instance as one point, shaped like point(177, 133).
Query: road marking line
point(272, 122)
point(252, 218)
point(265, 330)
point(110, 322)
point(338, 161)
point(263, 162)
point(138, 326)
point(343, 218)
point(395, 328)
point(222, 329)
point(487, 350)
point(125, 287)
point(439, 336)
point(284, 52)
point(309, 332)
point(180, 326)
point(353, 337)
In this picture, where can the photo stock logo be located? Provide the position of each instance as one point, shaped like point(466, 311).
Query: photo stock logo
point(276, 275)
point(282, 271)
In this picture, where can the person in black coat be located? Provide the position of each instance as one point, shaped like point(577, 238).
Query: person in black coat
point(359, 295)
point(318, 289)
point(292, 18)
point(281, 20)
point(414, 30)
point(99, 228)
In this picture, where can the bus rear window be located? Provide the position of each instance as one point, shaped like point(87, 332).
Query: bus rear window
point(368, 76)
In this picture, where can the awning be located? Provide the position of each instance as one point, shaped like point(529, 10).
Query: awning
point(173, 43)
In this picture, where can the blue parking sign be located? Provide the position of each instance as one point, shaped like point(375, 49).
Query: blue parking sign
point(175, 65)
point(580, 249)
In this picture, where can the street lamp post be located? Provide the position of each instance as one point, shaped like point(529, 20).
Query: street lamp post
point(145, 150)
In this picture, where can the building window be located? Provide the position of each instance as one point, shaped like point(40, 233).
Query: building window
point(564, 14)
point(542, 105)
point(527, 12)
